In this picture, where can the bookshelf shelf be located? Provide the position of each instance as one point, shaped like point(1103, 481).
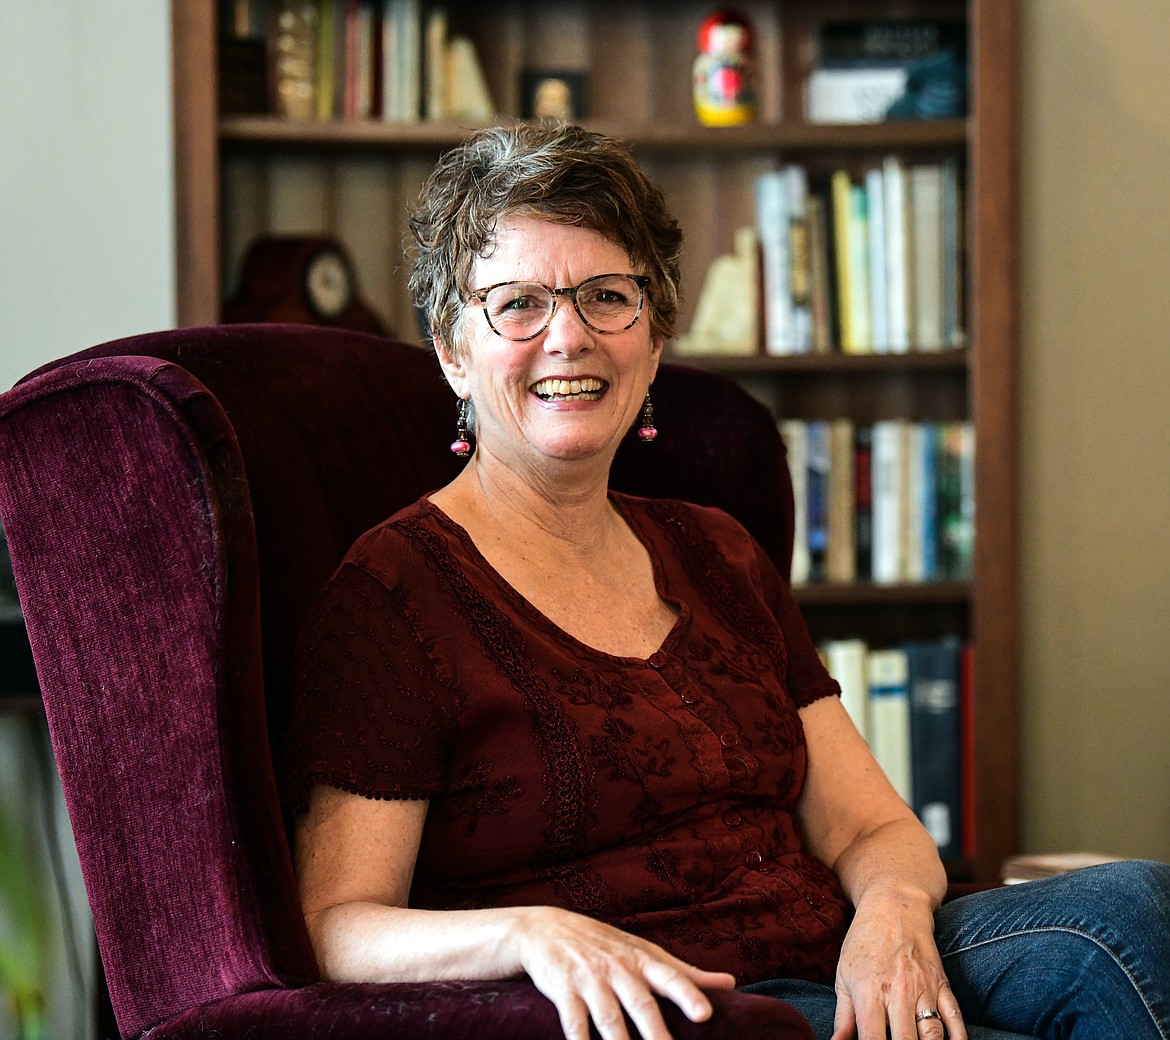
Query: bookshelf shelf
point(240, 176)
point(818, 594)
point(834, 364)
point(795, 137)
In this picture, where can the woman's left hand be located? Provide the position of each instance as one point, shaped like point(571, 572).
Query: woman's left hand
point(890, 971)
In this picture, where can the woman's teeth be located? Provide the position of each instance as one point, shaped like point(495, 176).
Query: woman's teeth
point(588, 389)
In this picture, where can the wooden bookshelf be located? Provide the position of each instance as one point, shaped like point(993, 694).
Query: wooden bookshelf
point(242, 175)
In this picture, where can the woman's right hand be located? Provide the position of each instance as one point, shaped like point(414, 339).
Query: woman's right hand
point(594, 972)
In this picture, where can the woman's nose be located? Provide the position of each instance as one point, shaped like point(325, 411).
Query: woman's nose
point(566, 333)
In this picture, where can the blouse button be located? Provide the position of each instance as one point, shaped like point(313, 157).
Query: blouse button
point(752, 860)
point(732, 819)
point(657, 659)
point(729, 739)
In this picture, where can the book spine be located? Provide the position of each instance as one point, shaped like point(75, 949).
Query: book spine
point(863, 502)
point(935, 746)
point(888, 717)
point(840, 565)
point(818, 458)
point(772, 219)
point(876, 237)
point(926, 207)
point(794, 435)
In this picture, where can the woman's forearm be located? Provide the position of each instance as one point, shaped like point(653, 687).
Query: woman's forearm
point(897, 860)
point(372, 942)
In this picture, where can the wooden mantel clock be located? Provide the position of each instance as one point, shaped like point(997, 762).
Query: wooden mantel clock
point(303, 278)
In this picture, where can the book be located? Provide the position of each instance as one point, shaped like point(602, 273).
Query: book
point(859, 303)
point(967, 716)
point(840, 552)
point(857, 95)
point(888, 477)
point(868, 71)
point(820, 284)
point(818, 460)
point(926, 228)
point(888, 716)
point(840, 216)
point(772, 219)
point(876, 236)
point(899, 303)
point(793, 433)
point(800, 274)
point(846, 662)
point(1017, 869)
point(933, 677)
point(888, 42)
point(951, 203)
point(863, 501)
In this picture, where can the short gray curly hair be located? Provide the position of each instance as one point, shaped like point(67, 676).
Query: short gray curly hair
point(556, 171)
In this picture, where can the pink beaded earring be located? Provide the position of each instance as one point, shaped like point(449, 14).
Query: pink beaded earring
point(647, 431)
point(461, 446)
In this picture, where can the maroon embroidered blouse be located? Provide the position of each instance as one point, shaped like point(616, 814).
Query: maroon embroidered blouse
point(656, 794)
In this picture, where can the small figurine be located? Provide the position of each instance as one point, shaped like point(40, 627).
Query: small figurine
point(724, 71)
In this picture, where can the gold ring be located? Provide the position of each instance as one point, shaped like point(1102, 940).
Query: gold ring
point(926, 1014)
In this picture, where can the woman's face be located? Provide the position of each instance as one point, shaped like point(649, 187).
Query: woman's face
point(521, 417)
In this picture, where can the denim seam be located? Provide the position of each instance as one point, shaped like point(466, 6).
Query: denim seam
point(1070, 931)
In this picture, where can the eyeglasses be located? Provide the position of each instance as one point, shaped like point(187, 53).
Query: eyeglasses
point(523, 310)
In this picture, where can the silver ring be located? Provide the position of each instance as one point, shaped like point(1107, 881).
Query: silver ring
point(926, 1014)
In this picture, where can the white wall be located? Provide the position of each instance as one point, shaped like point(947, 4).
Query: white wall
point(86, 255)
point(86, 208)
point(1095, 382)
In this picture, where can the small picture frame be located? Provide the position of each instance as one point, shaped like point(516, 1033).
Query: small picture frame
point(553, 94)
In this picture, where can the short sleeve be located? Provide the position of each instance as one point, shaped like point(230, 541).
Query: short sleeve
point(807, 678)
point(370, 713)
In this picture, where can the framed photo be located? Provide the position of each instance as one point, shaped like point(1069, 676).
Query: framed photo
point(553, 94)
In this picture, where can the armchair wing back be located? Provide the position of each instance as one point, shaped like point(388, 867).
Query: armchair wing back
point(173, 502)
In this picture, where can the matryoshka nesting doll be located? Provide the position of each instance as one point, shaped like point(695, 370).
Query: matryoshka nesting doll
point(724, 71)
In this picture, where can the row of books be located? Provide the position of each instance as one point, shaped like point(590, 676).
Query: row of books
point(868, 71)
point(887, 502)
point(371, 59)
point(862, 263)
point(913, 704)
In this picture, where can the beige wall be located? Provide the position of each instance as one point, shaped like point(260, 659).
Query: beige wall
point(1095, 391)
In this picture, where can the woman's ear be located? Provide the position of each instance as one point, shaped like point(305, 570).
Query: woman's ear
point(452, 366)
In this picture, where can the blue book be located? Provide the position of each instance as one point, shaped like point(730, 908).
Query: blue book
point(935, 743)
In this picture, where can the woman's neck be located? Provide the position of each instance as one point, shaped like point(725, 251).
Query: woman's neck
point(567, 504)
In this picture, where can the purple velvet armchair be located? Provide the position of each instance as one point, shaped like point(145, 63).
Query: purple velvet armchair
point(173, 502)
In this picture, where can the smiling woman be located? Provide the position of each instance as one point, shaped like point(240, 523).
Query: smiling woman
point(544, 728)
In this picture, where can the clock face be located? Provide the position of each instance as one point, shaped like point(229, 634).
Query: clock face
point(328, 284)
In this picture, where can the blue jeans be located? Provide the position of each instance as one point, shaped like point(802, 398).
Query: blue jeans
point(1083, 956)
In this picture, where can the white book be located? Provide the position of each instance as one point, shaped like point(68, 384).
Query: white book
point(876, 235)
point(898, 255)
point(889, 499)
point(772, 227)
point(857, 95)
point(794, 433)
point(846, 661)
point(888, 719)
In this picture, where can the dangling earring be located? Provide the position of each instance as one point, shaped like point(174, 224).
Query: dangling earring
point(647, 431)
point(461, 446)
